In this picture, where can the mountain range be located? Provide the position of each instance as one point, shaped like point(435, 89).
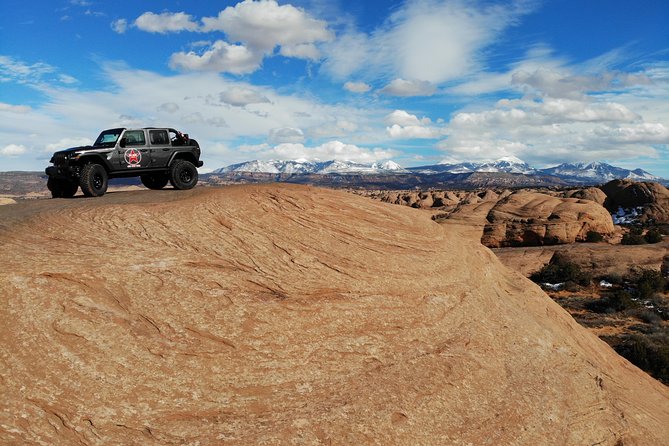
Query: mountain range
point(571, 173)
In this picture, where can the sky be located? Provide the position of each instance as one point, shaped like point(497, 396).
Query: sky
point(416, 81)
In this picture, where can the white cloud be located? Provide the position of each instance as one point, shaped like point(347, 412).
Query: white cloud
point(13, 150)
point(644, 133)
point(241, 97)
point(552, 130)
point(403, 125)
point(402, 87)
point(404, 118)
point(166, 22)
point(220, 57)
point(357, 87)
point(14, 108)
point(331, 150)
point(66, 143)
point(265, 24)
point(426, 40)
point(119, 26)
point(286, 135)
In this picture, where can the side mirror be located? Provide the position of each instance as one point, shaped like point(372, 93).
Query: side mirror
point(123, 142)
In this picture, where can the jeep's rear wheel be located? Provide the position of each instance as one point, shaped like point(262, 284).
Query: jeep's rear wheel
point(183, 175)
point(155, 181)
point(62, 188)
point(93, 180)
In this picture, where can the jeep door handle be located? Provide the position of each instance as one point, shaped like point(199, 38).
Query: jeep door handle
point(166, 149)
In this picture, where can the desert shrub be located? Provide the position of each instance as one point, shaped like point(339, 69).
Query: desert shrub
point(648, 316)
point(593, 237)
point(649, 282)
point(633, 239)
point(618, 300)
point(561, 270)
point(648, 353)
point(615, 279)
point(653, 236)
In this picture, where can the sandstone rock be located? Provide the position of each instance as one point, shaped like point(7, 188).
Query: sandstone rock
point(591, 193)
point(653, 198)
point(4, 201)
point(534, 219)
point(290, 315)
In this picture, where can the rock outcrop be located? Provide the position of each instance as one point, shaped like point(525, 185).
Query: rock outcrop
point(290, 315)
point(535, 219)
point(651, 198)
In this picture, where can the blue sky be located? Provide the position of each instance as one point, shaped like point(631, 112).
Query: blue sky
point(416, 81)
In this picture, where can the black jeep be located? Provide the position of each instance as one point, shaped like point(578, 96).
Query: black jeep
point(156, 155)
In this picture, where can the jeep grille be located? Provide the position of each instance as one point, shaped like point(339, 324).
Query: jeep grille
point(59, 158)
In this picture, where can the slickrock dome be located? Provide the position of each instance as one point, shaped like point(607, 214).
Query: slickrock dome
point(290, 315)
point(533, 219)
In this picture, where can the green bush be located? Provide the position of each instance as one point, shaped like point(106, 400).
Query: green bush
point(561, 270)
point(649, 354)
point(593, 237)
point(633, 239)
point(649, 282)
point(653, 236)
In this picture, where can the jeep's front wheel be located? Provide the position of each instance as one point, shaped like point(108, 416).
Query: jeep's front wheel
point(183, 175)
point(155, 181)
point(62, 188)
point(93, 180)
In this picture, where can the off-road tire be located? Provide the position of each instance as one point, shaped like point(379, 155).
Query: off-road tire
point(93, 180)
point(62, 188)
point(183, 175)
point(155, 181)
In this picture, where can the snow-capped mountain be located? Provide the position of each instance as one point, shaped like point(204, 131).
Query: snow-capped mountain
point(574, 173)
point(598, 172)
point(507, 164)
point(307, 167)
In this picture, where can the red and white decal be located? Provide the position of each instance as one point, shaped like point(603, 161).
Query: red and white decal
point(133, 157)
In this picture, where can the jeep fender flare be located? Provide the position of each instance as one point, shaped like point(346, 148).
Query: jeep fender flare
point(95, 158)
point(182, 155)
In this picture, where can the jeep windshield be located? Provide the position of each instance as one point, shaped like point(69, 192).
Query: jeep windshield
point(108, 138)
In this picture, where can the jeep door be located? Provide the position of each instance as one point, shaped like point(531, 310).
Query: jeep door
point(161, 149)
point(136, 153)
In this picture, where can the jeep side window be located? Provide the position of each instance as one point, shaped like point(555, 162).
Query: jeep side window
point(176, 138)
point(158, 137)
point(135, 138)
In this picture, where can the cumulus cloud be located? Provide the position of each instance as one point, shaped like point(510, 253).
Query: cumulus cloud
point(166, 22)
point(265, 24)
point(242, 96)
point(13, 150)
point(220, 57)
point(286, 135)
point(357, 87)
point(402, 87)
point(403, 125)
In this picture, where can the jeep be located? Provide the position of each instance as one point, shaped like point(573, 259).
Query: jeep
point(156, 155)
